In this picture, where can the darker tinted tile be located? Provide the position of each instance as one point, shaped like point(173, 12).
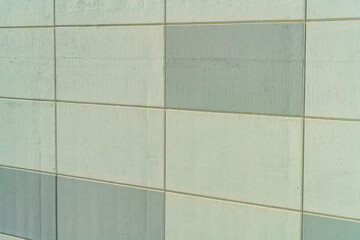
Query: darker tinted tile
point(27, 204)
point(245, 67)
point(322, 228)
point(91, 210)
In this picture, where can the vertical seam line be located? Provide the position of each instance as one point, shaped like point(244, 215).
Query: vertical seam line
point(303, 129)
point(164, 32)
point(55, 115)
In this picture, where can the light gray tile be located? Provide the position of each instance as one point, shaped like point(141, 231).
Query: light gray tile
point(332, 167)
point(233, 10)
point(245, 67)
point(324, 228)
point(333, 69)
point(27, 204)
point(91, 210)
point(27, 134)
point(27, 63)
point(112, 143)
point(333, 8)
point(109, 11)
point(26, 13)
point(121, 65)
point(203, 219)
point(249, 158)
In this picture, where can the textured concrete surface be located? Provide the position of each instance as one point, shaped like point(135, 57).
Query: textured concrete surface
point(324, 228)
point(26, 12)
point(114, 212)
point(27, 63)
point(112, 143)
point(332, 166)
point(27, 204)
point(333, 69)
point(233, 10)
point(243, 67)
point(248, 158)
point(204, 219)
point(27, 134)
point(109, 11)
point(122, 65)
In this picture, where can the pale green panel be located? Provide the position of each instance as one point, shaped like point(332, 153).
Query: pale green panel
point(109, 11)
point(26, 12)
point(122, 65)
point(111, 143)
point(333, 8)
point(332, 167)
point(204, 219)
point(27, 134)
point(333, 69)
point(233, 10)
point(249, 158)
point(27, 63)
point(242, 67)
point(326, 228)
point(7, 237)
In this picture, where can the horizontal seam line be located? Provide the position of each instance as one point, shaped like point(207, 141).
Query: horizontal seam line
point(189, 23)
point(331, 216)
point(182, 193)
point(14, 236)
point(154, 189)
point(27, 169)
point(181, 109)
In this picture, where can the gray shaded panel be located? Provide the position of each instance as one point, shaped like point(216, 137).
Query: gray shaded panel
point(27, 204)
point(322, 228)
point(90, 210)
point(245, 67)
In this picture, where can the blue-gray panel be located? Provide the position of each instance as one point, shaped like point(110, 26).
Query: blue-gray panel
point(27, 204)
point(323, 228)
point(243, 68)
point(92, 211)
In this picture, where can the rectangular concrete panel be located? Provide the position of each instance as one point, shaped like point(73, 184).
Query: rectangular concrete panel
point(243, 68)
point(204, 219)
point(122, 65)
point(92, 210)
point(333, 69)
point(8, 237)
point(117, 144)
point(27, 204)
point(325, 228)
point(248, 158)
point(26, 13)
point(332, 167)
point(233, 10)
point(69, 12)
point(27, 62)
point(27, 134)
point(333, 8)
